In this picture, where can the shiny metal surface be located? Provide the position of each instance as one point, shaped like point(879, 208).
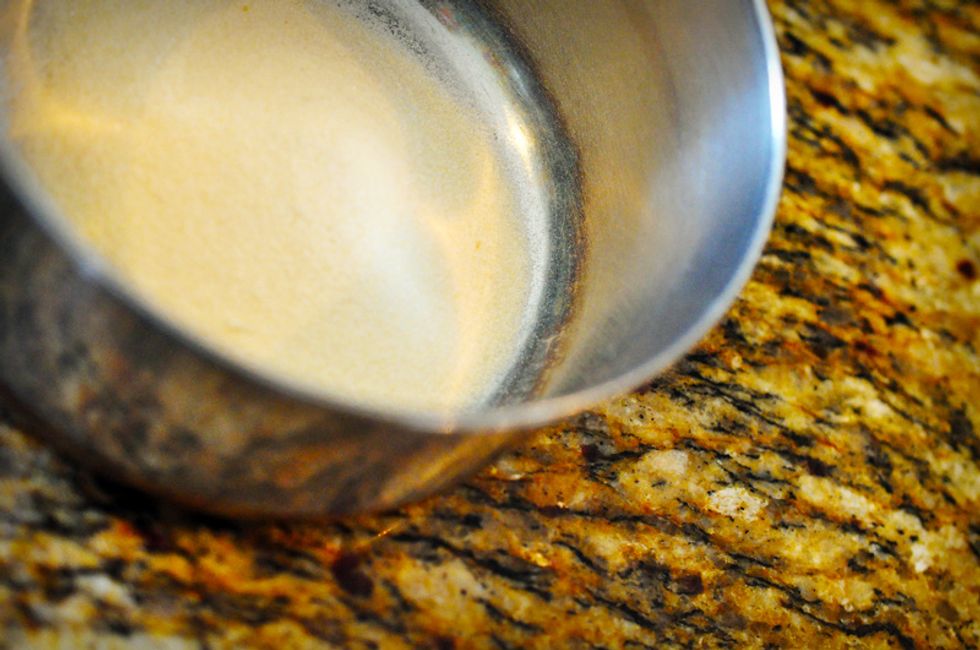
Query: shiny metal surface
point(661, 123)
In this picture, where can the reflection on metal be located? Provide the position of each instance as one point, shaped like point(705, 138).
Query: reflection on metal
point(658, 127)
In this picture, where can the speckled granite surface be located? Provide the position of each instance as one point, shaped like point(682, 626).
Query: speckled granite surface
point(809, 475)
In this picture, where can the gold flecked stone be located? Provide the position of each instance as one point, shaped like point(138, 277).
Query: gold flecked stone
point(807, 477)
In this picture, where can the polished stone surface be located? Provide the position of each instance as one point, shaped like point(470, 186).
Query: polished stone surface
point(807, 476)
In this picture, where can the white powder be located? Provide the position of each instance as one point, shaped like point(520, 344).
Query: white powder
point(284, 182)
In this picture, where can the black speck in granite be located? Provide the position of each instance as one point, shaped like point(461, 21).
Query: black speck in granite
point(967, 269)
point(347, 571)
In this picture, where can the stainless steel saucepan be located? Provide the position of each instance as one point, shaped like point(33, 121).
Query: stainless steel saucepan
point(662, 125)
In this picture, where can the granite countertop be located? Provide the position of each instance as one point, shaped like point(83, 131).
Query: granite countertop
point(808, 475)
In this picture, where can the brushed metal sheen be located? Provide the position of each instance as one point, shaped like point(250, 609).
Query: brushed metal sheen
point(663, 125)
